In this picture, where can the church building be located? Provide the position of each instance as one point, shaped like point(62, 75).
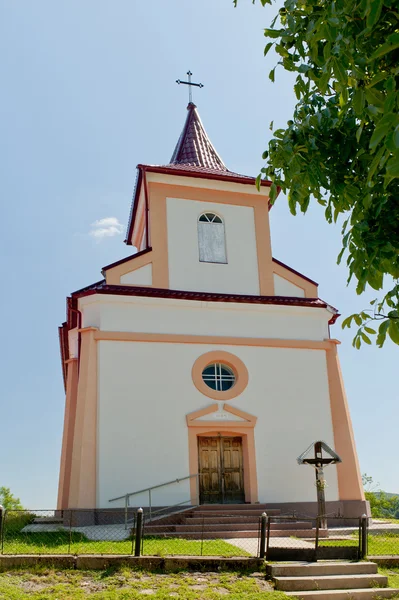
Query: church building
point(202, 355)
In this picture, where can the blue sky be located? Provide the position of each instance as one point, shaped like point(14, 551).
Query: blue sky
point(88, 91)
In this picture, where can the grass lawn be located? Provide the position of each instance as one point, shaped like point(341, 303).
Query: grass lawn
point(124, 584)
point(57, 542)
point(393, 576)
point(378, 544)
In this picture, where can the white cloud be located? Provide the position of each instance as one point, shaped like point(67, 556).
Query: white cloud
point(107, 227)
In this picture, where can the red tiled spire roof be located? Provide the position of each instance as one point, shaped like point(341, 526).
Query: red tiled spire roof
point(194, 148)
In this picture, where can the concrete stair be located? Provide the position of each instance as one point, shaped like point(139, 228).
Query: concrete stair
point(226, 521)
point(331, 580)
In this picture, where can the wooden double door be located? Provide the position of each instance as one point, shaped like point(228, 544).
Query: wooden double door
point(220, 469)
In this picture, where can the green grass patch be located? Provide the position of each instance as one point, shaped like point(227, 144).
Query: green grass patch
point(124, 584)
point(380, 544)
point(393, 575)
point(63, 542)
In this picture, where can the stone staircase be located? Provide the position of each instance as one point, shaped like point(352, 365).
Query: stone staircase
point(210, 521)
point(331, 581)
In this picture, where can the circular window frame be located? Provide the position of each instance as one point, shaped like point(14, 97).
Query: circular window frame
point(230, 360)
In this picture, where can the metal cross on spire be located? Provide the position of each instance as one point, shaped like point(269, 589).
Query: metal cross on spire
point(190, 84)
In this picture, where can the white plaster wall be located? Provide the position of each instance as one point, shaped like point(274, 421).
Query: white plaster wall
point(283, 287)
point(161, 315)
point(240, 274)
point(146, 390)
point(141, 276)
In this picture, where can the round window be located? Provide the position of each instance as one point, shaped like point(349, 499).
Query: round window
point(218, 377)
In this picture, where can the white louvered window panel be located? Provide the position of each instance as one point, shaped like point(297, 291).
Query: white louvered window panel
point(211, 239)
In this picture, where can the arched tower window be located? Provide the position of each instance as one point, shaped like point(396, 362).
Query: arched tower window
point(211, 239)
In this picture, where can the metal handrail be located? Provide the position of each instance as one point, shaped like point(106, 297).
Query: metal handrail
point(153, 487)
point(126, 497)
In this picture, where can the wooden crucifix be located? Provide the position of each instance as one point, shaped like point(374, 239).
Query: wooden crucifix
point(190, 85)
point(318, 462)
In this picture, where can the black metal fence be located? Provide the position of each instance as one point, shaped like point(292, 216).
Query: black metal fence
point(306, 539)
point(274, 538)
point(69, 532)
point(105, 532)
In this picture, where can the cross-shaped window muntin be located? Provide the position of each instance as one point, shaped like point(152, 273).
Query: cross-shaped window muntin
point(219, 377)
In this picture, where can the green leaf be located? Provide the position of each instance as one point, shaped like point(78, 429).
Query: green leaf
point(271, 74)
point(375, 97)
point(392, 168)
point(340, 72)
point(375, 11)
point(358, 319)
point(347, 322)
point(359, 101)
point(369, 330)
point(375, 279)
point(382, 333)
point(376, 79)
point(339, 258)
point(273, 33)
point(267, 48)
point(393, 330)
point(273, 192)
point(386, 48)
point(365, 338)
point(257, 182)
point(373, 168)
point(381, 130)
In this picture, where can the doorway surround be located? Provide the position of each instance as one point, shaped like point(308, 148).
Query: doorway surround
point(243, 427)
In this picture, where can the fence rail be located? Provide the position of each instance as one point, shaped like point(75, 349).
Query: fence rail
point(102, 531)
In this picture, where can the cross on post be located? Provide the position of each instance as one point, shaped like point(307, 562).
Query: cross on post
point(190, 85)
point(318, 462)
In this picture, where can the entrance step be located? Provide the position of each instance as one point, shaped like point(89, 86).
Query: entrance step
point(48, 521)
point(354, 594)
point(321, 568)
point(227, 507)
point(244, 519)
point(330, 582)
point(227, 512)
point(211, 521)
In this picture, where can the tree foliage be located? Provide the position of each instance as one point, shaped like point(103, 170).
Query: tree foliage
point(341, 145)
point(8, 500)
point(382, 505)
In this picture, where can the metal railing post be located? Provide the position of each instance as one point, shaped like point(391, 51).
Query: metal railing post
point(139, 532)
point(316, 545)
point(126, 505)
point(268, 536)
point(263, 525)
point(1, 528)
point(364, 543)
point(149, 502)
point(70, 531)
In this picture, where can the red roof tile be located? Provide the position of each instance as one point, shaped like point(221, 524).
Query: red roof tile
point(194, 147)
point(125, 290)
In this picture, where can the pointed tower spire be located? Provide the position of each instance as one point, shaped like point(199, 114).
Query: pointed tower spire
point(194, 147)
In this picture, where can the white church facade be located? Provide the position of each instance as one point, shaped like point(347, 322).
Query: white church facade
point(202, 355)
